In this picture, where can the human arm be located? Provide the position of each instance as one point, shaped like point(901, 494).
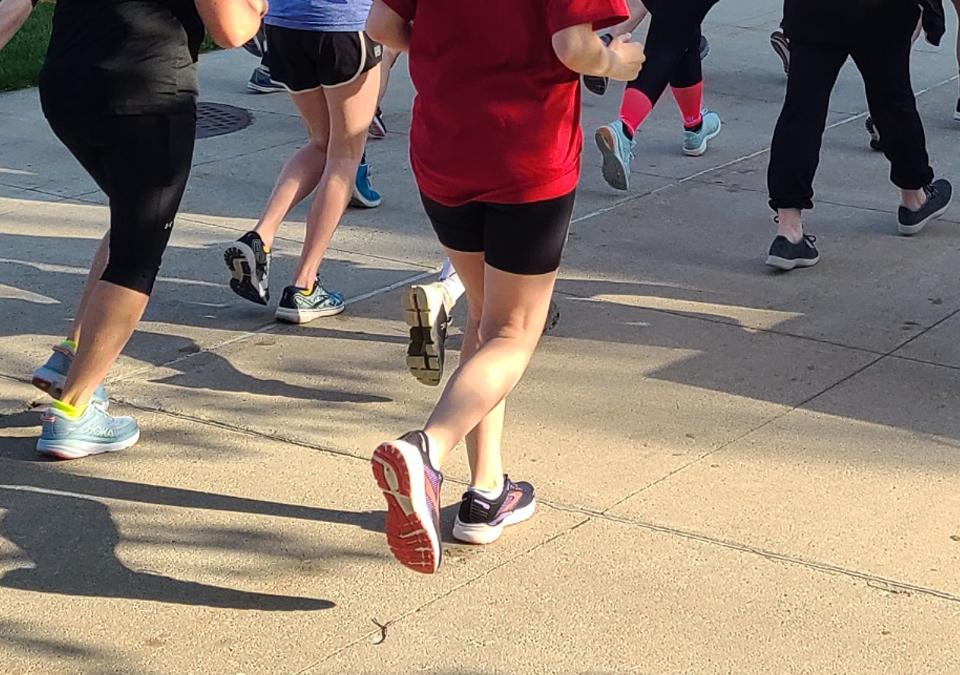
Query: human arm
point(13, 14)
point(386, 26)
point(581, 50)
point(231, 22)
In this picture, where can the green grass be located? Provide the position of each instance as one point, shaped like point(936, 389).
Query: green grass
point(21, 59)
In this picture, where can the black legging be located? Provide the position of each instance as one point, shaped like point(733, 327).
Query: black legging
point(672, 46)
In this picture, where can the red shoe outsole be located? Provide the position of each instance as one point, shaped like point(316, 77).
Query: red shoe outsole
point(406, 533)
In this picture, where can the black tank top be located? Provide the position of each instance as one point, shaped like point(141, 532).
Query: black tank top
point(124, 57)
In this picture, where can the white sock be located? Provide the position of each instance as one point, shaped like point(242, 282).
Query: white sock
point(453, 287)
point(447, 269)
point(492, 495)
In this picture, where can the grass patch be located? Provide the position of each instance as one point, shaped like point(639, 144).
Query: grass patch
point(22, 58)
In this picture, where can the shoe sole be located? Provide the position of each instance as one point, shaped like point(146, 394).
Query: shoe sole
point(909, 230)
point(783, 51)
point(411, 535)
point(241, 261)
point(424, 357)
point(48, 381)
point(259, 89)
point(80, 449)
point(297, 316)
point(956, 116)
point(701, 149)
point(359, 201)
point(787, 264)
point(482, 533)
point(613, 170)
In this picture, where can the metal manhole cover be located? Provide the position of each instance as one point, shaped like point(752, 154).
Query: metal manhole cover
point(218, 119)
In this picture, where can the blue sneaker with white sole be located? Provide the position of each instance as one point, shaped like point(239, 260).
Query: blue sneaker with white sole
point(300, 305)
point(92, 433)
point(695, 142)
point(617, 152)
point(51, 377)
point(364, 194)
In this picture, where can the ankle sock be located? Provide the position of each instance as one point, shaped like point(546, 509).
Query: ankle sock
point(492, 495)
point(72, 411)
point(453, 287)
point(690, 102)
point(634, 110)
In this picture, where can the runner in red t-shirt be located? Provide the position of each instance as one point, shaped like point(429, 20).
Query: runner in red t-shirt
point(495, 146)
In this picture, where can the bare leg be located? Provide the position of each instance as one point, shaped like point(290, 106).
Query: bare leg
point(111, 315)
point(99, 264)
point(302, 172)
point(514, 309)
point(390, 57)
point(350, 110)
point(790, 224)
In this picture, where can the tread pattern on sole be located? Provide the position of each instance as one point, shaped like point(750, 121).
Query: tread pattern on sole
point(406, 533)
point(423, 353)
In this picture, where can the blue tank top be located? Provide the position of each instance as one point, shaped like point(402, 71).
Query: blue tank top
point(319, 15)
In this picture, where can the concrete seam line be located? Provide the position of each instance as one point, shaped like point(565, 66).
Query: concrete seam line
point(266, 328)
point(871, 579)
point(853, 117)
point(446, 594)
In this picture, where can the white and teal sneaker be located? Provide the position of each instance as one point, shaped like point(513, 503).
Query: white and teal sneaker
point(299, 305)
point(51, 377)
point(617, 151)
point(695, 142)
point(92, 433)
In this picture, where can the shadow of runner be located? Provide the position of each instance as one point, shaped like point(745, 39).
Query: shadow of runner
point(73, 553)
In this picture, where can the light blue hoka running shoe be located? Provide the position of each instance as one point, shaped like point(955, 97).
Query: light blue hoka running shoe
point(695, 142)
point(299, 305)
point(617, 151)
point(92, 433)
point(364, 194)
point(52, 376)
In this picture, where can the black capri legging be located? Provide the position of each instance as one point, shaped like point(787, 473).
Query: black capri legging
point(142, 163)
point(672, 46)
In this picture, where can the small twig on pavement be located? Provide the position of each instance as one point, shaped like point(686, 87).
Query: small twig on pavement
point(383, 631)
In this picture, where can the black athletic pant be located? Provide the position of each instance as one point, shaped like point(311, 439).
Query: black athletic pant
point(142, 163)
point(885, 67)
point(672, 46)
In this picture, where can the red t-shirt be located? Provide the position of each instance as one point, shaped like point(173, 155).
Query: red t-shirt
point(497, 115)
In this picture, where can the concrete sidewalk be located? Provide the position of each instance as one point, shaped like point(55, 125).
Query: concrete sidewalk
point(738, 471)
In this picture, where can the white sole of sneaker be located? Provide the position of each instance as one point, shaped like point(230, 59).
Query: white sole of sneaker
point(481, 533)
point(787, 264)
point(79, 449)
point(288, 315)
point(956, 116)
point(359, 201)
point(422, 308)
point(241, 261)
point(612, 169)
point(411, 535)
point(910, 230)
point(701, 149)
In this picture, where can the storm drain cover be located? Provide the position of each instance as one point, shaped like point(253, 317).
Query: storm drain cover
point(219, 119)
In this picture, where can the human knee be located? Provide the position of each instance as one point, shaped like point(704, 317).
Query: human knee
point(138, 273)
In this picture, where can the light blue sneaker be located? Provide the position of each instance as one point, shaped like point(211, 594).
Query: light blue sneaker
point(617, 151)
point(299, 305)
point(94, 432)
point(364, 195)
point(51, 377)
point(695, 142)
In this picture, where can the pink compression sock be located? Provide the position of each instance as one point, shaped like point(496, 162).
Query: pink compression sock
point(635, 108)
point(690, 101)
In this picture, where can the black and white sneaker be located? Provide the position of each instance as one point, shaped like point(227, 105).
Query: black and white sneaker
point(482, 520)
point(249, 263)
point(594, 83)
point(781, 45)
point(939, 194)
point(553, 317)
point(874, 134)
point(956, 115)
point(257, 45)
point(785, 255)
point(704, 47)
